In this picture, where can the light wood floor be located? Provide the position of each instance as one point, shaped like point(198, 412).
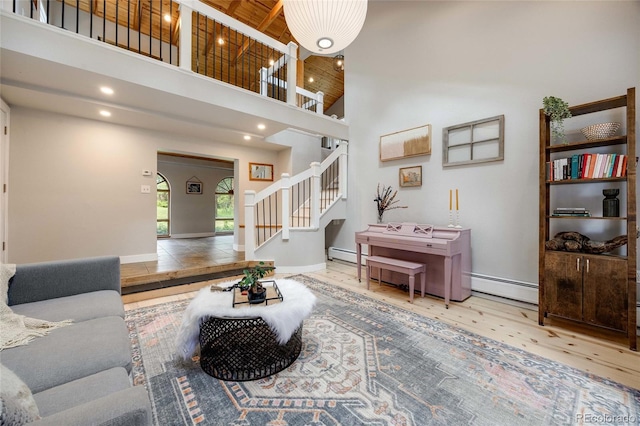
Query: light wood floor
point(605, 355)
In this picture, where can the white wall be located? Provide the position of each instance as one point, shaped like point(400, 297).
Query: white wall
point(75, 186)
point(446, 63)
point(305, 149)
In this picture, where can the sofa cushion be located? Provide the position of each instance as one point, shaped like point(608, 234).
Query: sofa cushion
point(16, 401)
point(71, 352)
point(80, 307)
point(81, 391)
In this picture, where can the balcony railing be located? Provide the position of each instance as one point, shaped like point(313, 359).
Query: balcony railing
point(185, 33)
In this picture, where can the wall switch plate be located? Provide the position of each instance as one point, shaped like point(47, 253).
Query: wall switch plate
point(146, 173)
point(145, 189)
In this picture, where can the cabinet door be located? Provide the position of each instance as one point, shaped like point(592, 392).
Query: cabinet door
point(563, 284)
point(605, 292)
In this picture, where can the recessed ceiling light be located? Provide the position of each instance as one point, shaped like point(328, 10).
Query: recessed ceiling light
point(247, 137)
point(106, 90)
point(261, 126)
point(271, 62)
point(220, 40)
point(310, 79)
point(105, 113)
point(167, 17)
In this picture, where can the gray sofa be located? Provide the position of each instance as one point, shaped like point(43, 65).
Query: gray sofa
point(78, 374)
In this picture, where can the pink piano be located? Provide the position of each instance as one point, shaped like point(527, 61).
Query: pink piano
point(446, 253)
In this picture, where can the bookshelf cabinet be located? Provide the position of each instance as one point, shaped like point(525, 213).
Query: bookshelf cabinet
point(594, 289)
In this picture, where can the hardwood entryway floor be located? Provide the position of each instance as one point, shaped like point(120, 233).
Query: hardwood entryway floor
point(604, 354)
point(183, 260)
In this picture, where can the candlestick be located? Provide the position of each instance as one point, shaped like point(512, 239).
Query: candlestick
point(457, 219)
point(457, 199)
point(449, 199)
point(450, 219)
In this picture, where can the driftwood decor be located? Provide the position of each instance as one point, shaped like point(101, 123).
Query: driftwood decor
point(576, 242)
point(478, 141)
point(407, 143)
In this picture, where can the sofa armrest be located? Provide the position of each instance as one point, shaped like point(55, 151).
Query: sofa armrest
point(128, 407)
point(47, 280)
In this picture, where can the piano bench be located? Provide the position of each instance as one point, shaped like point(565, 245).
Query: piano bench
point(397, 265)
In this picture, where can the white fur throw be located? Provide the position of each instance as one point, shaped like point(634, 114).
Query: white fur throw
point(18, 330)
point(283, 318)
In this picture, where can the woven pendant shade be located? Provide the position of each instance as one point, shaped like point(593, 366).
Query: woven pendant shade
point(325, 26)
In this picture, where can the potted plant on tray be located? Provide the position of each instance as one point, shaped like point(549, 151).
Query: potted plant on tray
point(256, 293)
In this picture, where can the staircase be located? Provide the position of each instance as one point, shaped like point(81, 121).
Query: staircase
point(285, 222)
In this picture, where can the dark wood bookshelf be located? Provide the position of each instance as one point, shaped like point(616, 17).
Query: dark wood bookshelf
point(598, 290)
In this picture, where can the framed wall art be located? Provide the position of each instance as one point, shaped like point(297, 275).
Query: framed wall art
point(479, 141)
point(260, 171)
point(194, 186)
point(411, 176)
point(406, 143)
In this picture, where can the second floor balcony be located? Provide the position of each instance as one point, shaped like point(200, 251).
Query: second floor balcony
point(186, 64)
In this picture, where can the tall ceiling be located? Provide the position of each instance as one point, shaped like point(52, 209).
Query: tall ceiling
point(267, 16)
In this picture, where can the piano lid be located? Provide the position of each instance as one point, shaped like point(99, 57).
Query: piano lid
point(408, 229)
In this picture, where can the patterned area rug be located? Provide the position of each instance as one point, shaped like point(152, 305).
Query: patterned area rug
point(365, 362)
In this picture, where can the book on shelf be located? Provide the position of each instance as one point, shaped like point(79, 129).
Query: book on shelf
point(571, 211)
point(587, 166)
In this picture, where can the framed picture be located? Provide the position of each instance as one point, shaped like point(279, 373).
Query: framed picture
point(411, 176)
point(407, 143)
point(260, 171)
point(194, 187)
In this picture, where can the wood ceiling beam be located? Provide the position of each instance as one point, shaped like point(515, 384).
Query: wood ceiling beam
point(230, 12)
point(137, 9)
point(268, 20)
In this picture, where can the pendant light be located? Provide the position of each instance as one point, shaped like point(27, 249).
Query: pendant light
point(325, 26)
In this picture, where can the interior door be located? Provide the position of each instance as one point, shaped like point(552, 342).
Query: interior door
point(4, 174)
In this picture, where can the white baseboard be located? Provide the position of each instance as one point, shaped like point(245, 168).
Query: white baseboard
point(194, 235)
point(135, 258)
point(504, 288)
point(300, 269)
point(346, 255)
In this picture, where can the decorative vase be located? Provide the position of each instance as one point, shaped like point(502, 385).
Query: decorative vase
point(380, 217)
point(610, 204)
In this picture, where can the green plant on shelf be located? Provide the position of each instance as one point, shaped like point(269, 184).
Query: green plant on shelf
point(558, 111)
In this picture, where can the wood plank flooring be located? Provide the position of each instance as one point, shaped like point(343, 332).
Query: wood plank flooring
point(605, 355)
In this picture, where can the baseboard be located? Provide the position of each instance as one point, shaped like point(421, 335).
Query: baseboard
point(345, 254)
point(505, 288)
point(135, 258)
point(300, 269)
point(194, 235)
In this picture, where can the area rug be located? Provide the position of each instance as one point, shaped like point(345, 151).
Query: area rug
point(365, 362)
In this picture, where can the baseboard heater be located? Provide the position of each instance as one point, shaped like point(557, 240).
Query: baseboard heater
point(346, 255)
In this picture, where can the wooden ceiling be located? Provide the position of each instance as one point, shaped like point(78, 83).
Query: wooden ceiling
point(267, 16)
